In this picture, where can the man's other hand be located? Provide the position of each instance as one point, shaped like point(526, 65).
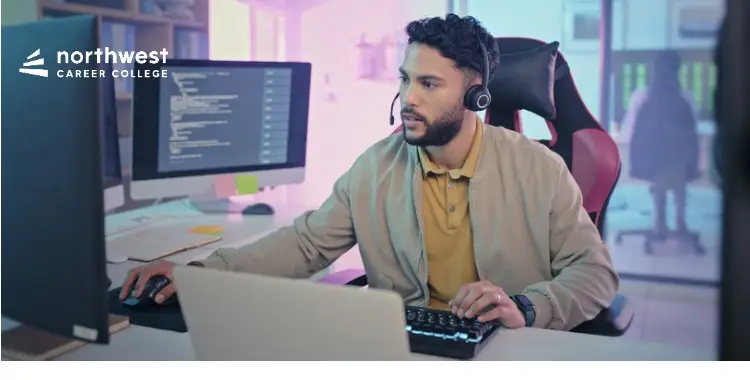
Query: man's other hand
point(487, 302)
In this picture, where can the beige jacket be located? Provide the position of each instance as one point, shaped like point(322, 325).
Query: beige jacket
point(531, 233)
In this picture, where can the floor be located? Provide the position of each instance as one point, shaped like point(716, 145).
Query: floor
point(666, 311)
point(631, 208)
point(676, 314)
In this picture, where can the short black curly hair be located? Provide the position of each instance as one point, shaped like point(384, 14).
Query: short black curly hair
point(454, 37)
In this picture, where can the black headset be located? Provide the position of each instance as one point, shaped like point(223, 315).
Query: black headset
point(477, 97)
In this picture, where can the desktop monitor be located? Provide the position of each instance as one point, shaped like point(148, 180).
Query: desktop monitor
point(53, 248)
point(205, 119)
point(733, 122)
point(114, 191)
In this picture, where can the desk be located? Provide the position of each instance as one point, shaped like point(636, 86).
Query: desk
point(141, 343)
point(237, 229)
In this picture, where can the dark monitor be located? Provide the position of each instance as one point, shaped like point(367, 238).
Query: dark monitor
point(53, 248)
point(114, 191)
point(733, 120)
point(209, 118)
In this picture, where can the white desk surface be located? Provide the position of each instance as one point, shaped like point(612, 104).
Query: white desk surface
point(141, 343)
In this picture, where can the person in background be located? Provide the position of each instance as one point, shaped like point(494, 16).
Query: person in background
point(664, 150)
point(452, 213)
point(717, 153)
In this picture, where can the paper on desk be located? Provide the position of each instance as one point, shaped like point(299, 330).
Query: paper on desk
point(246, 184)
point(224, 186)
point(207, 230)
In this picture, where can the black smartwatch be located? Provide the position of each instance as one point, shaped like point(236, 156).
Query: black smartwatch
point(526, 307)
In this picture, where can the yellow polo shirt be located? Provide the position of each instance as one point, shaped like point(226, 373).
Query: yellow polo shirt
point(447, 226)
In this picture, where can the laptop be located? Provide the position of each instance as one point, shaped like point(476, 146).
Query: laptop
point(238, 316)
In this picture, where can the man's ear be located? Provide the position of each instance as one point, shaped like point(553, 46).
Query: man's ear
point(472, 78)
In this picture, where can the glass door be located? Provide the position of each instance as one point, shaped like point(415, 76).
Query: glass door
point(664, 218)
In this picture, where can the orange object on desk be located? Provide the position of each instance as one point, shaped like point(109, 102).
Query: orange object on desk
point(207, 230)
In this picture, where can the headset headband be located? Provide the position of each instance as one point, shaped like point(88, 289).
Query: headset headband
point(485, 70)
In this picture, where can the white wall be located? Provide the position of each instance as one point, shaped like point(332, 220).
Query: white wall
point(342, 129)
point(647, 24)
point(640, 24)
point(230, 30)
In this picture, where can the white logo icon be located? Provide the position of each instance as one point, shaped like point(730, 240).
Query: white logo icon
point(35, 62)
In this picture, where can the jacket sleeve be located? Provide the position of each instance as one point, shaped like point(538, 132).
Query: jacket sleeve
point(312, 242)
point(584, 280)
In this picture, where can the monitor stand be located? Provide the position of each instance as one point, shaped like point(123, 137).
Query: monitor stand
point(28, 343)
point(210, 204)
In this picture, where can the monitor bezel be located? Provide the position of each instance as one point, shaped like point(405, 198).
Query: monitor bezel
point(733, 116)
point(146, 95)
point(80, 272)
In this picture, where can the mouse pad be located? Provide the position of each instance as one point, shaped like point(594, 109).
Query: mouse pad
point(167, 317)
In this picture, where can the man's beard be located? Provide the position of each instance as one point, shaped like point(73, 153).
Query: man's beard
point(441, 131)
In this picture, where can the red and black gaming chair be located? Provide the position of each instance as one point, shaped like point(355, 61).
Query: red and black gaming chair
point(541, 77)
point(589, 151)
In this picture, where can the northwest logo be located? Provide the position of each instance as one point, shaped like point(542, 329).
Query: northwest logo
point(32, 61)
point(121, 62)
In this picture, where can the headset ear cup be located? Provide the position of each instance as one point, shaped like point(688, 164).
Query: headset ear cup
point(470, 98)
point(477, 98)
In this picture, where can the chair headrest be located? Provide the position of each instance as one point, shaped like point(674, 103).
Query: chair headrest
point(525, 77)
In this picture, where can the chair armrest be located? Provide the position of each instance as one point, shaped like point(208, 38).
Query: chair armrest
point(612, 321)
point(355, 277)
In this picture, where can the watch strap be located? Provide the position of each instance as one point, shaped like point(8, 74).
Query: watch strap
point(526, 307)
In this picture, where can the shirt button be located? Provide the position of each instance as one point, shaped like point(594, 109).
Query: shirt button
point(451, 209)
point(450, 185)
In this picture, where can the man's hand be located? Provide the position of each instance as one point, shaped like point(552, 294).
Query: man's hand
point(487, 302)
point(138, 277)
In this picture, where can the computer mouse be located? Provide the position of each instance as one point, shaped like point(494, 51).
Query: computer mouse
point(146, 299)
point(258, 209)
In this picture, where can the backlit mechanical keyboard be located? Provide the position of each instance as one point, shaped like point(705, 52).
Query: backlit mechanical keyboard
point(442, 333)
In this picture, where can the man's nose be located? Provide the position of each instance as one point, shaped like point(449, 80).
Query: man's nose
point(410, 98)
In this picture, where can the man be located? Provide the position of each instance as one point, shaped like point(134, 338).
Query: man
point(452, 213)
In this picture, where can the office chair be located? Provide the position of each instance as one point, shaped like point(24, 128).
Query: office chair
point(646, 141)
point(650, 237)
point(589, 151)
